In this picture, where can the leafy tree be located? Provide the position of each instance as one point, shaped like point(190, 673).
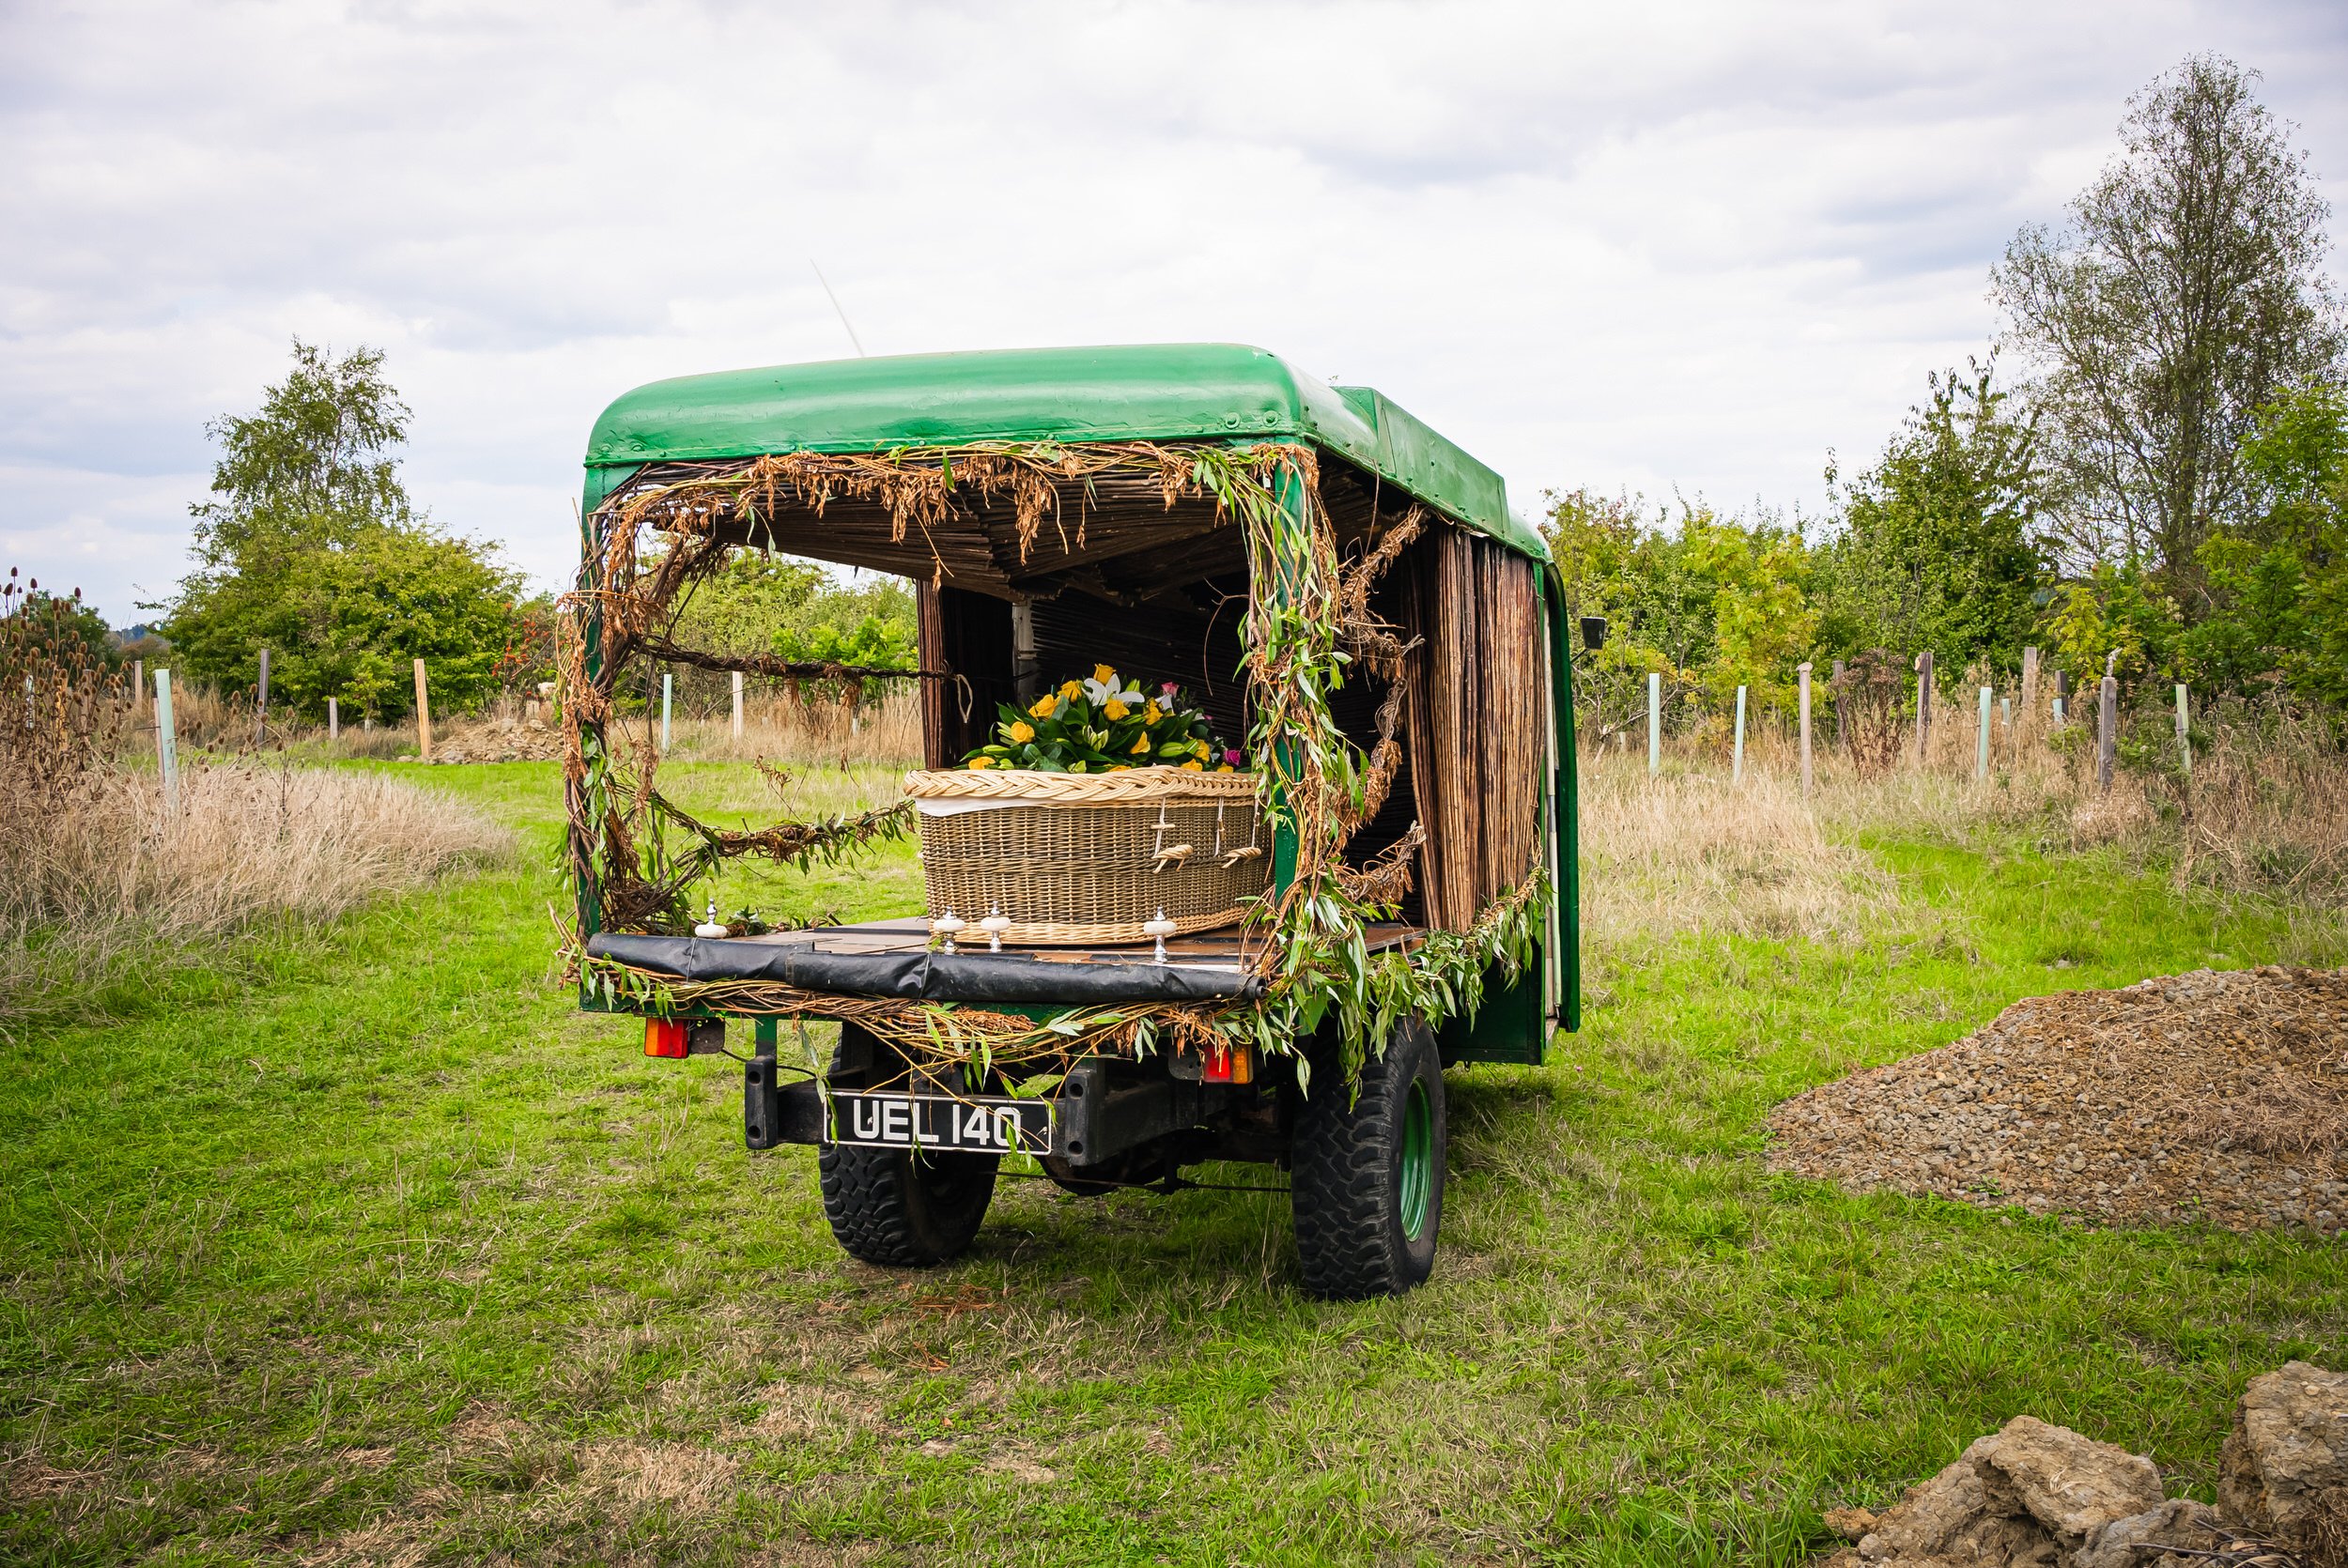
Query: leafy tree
point(1708, 603)
point(310, 547)
point(2279, 584)
point(1939, 548)
point(2184, 293)
point(310, 470)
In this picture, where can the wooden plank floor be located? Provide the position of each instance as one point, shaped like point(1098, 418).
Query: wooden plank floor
point(1219, 948)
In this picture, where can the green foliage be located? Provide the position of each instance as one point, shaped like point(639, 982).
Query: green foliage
point(310, 470)
point(1101, 725)
point(348, 623)
point(1711, 603)
point(1938, 548)
point(2278, 586)
point(2112, 609)
point(311, 548)
point(759, 603)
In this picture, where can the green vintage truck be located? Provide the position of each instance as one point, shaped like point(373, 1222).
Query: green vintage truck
point(1247, 804)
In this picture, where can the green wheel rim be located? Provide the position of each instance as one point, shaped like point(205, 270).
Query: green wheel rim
point(1418, 1148)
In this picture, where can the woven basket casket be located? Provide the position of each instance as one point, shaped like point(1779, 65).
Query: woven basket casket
point(1076, 858)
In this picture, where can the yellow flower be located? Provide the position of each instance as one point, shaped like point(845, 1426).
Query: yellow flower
point(1103, 675)
point(1071, 689)
point(1115, 710)
point(1194, 765)
point(1151, 714)
point(1226, 768)
point(1140, 746)
point(982, 761)
point(1022, 733)
point(1199, 747)
point(1044, 706)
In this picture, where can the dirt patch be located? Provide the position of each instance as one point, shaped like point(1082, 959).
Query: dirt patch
point(2218, 1096)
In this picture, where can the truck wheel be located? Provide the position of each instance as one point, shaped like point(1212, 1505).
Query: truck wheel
point(901, 1210)
point(1368, 1184)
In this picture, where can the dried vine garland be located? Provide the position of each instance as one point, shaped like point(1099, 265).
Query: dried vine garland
point(1310, 628)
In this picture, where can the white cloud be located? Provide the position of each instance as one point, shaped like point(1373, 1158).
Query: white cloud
point(1687, 246)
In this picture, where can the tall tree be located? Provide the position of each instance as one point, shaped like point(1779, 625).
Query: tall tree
point(1939, 543)
point(313, 469)
point(2184, 293)
point(310, 547)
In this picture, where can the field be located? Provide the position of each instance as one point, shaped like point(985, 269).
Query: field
point(378, 1252)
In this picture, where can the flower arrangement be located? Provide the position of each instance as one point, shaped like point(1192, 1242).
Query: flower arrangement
point(1105, 725)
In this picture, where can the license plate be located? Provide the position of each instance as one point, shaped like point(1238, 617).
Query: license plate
point(980, 1125)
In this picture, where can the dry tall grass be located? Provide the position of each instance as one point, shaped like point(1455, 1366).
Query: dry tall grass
point(1683, 852)
point(2264, 812)
point(110, 886)
point(789, 732)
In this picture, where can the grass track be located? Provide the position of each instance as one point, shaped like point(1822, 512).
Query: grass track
point(388, 1251)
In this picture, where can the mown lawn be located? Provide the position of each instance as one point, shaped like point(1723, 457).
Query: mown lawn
point(393, 1256)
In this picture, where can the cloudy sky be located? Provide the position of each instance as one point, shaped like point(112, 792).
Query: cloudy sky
point(1667, 247)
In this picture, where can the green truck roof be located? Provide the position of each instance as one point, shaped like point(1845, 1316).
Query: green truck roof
point(1154, 391)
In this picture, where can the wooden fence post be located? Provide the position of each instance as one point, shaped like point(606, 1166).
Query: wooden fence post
point(2030, 689)
point(2106, 723)
point(1841, 739)
point(424, 715)
point(138, 687)
point(1802, 670)
point(1736, 774)
point(668, 686)
point(1980, 754)
point(2062, 697)
point(1654, 723)
point(167, 746)
point(260, 703)
point(737, 704)
point(334, 720)
point(1924, 707)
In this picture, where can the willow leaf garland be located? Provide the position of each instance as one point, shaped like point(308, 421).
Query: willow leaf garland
point(1308, 626)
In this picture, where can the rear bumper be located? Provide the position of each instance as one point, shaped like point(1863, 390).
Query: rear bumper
point(1104, 1109)
point(929, 977)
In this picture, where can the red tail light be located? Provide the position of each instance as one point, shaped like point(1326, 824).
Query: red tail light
point(1227, 1063)
point(664, 1037)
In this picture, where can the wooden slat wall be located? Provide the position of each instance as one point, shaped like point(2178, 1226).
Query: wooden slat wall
point(1476, 719)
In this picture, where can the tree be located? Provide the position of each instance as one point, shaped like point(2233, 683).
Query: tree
point(2279, 584)
point(310, 470)
point(1939, 543)
point(2184, 293)
point(1709, 603)
point(310, 547)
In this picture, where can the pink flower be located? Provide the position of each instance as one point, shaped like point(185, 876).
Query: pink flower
point(1232, 755)
point(1169, 689)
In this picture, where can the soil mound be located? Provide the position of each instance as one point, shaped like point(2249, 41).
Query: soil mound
point(2217, 1096)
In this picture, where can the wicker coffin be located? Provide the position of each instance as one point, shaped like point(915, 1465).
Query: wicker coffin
point(1080, 858)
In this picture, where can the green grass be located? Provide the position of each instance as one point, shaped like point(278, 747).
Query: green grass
point(385, 1248)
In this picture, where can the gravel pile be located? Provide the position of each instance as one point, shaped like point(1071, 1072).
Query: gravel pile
point(498, 741)
point(2214, 1095)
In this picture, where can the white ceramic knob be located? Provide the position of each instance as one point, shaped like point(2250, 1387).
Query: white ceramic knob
point(995, 925)
point(712, 926)
point(1160, 928)
point(946, 926)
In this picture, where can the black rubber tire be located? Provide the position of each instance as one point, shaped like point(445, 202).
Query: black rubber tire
point(903, 1211)
point(1347, 1184)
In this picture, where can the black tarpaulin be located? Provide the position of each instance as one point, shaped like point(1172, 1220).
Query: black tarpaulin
point(926, 977)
